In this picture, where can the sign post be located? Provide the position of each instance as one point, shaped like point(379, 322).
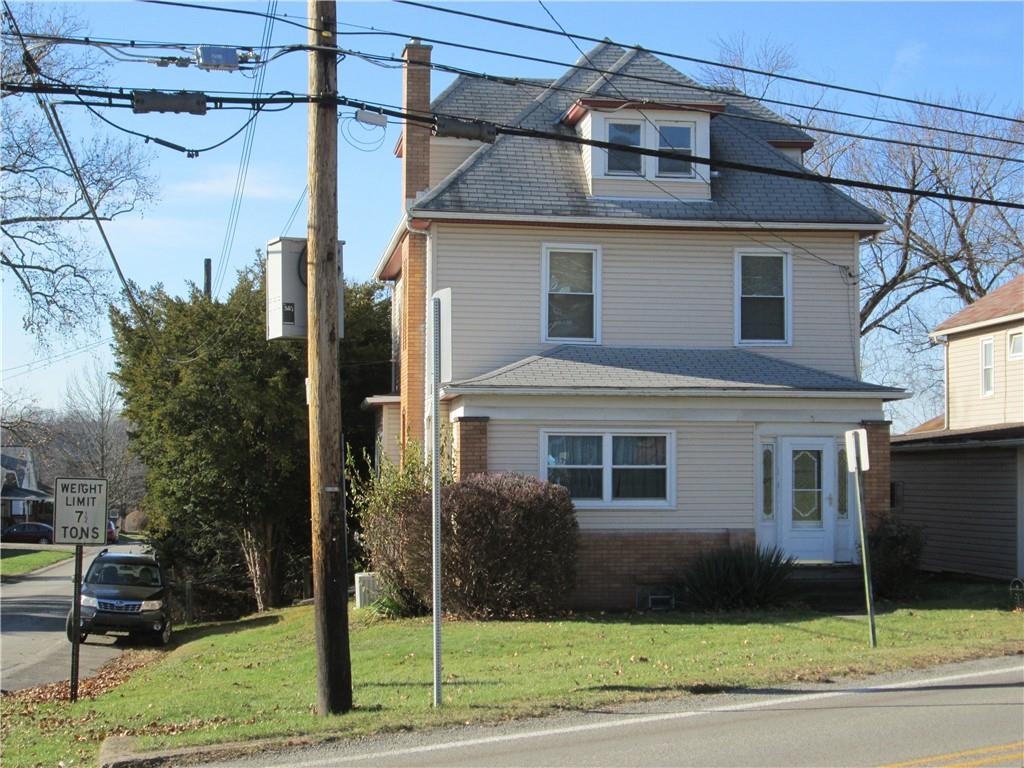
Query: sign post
point(857, 462)
point(79, 517)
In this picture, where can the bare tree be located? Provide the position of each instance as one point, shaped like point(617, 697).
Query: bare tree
point(45, 246)
point(90, 439)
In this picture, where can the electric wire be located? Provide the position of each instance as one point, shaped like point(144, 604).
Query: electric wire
point(46, 362)
point(708, 62)
point(525, 57)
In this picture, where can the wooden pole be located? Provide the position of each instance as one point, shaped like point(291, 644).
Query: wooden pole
point(330, 571)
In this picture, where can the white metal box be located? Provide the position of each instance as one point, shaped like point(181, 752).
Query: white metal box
point(286, 289)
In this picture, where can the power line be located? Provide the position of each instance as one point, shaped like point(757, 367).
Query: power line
point(708, 62)
point(802, 175)
point(525, 57)
point(696, 108)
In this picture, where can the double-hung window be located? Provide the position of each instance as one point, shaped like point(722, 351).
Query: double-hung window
point(988, 367)
point(611, 468)
point(572, 301)
point(621, 162)
point(676, 138)
point(762, 297)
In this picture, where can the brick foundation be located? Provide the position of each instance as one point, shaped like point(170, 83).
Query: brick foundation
point(877, 479)
point(469, 437)
point(612, 566)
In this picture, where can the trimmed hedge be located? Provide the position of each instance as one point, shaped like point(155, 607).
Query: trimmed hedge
point(508, 545)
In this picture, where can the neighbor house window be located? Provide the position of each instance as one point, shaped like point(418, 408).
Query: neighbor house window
point(768, 481)
point(622, 162)
point(611, 468)
point(571, 294)
point(988, 367)
point(676, 137)
point(763, 301)
point(1015, 346)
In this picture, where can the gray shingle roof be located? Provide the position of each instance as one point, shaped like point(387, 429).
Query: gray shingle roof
point(624, 368)
point(539, 177)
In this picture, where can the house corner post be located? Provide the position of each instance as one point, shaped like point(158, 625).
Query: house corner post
point(876, 481)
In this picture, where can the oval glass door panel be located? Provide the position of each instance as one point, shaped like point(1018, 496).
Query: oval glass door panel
point(807, 490)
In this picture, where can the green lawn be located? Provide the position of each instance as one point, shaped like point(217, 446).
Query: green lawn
point(15, 562)
point(255, 678)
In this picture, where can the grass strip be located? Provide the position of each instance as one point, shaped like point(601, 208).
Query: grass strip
point(17, 562)
point(255, 678)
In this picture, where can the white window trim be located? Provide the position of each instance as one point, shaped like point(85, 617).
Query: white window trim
point(643, 143)
point(990, 342)
point(692, 125)
point(787, 278)
point(545, 278)
point(1009, 346)
point(606, 473)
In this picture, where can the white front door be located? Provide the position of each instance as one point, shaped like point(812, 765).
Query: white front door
point(807, 509)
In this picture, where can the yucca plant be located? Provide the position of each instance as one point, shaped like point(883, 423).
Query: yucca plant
point(734, 578)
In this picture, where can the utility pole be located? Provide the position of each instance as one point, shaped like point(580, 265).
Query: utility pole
point(208, 279)
point(330, 570)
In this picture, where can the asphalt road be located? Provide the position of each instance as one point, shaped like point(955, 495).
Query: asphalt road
point(963, 715)
point(34, 648)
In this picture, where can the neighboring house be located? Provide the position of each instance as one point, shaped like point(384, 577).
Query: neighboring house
point(677, 345)
point(22, 498)
point(960, 476)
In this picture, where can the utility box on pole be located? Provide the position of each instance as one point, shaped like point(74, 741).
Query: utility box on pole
point(286, 288)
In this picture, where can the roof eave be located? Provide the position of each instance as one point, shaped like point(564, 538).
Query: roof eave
point(940, 331)
point(469, 389)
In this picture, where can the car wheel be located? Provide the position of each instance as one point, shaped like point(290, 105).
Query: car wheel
point(163, 637)
point(69, 631)
point(44, 540)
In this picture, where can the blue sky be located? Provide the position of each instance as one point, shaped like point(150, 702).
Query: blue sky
point(929, 50)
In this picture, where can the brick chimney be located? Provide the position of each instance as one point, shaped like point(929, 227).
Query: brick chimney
point(415, 179)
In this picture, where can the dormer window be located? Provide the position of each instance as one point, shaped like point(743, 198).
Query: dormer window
point(620, 161)
point(676, 137)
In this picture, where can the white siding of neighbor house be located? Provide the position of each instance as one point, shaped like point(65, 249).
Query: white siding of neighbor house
point(968, 408)
point(714, 473)
point(638, 189)
point(448, 154)
point(659, 289)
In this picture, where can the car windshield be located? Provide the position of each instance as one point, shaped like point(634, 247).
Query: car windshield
point(125, 574)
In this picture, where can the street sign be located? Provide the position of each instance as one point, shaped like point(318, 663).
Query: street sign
point(857, 450)
point(80, 510)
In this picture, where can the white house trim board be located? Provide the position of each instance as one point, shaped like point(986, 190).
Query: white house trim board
point(460, 389)
point(674, 224)
point(980, 324)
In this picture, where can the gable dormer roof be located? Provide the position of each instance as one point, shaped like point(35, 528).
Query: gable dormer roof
point(520, 177)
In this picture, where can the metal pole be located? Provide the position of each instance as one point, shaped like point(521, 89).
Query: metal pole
point(865, 559)
point(76, 622)
point(435, 471)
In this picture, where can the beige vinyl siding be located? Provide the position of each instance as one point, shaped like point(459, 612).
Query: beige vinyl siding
point(659, 289)
point(966, 503)
point(390, 431)
point(714, 473)
point(448, 154)
point(968, 408)
point(638, 189)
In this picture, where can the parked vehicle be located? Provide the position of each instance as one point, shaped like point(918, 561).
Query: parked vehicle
point(112, 534)
point(124, 592)
point(28, 533)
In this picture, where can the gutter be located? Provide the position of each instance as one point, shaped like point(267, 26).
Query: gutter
point(644, 223)
point(674, 392)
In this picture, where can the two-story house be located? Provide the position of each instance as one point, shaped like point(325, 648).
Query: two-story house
point(960, 476)
point(676, 344)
